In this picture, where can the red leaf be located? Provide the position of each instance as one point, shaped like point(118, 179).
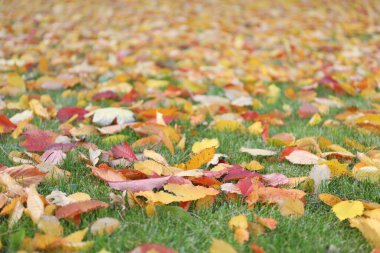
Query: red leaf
point(130, 97)
point(152, 247)
point(24, 174)
point(124, 151)
point(66, 113)
point(250, 115)
point(74, 209)
point(6, 125)
point(38, 140)
point(139, 185)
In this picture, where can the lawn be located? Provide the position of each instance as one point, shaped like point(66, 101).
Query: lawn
point(104, 49)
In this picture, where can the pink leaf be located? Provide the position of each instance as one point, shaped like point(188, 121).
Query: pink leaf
point(139, 185)
point(54, 157)
point(275, 179)
point(124, 151)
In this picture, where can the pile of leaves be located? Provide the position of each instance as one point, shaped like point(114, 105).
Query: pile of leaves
point(112, 97)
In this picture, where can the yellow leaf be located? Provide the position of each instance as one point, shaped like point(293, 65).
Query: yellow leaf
point(77, 246)
point(227, 125)
point(155, 156)
point(149, 167)
point(180, 193)
point(42, 242)
point(254, 165)
point(315, 120)
point(79, 196)
point(181, 143)
point(292, 207)
point(370, 229)
point(256, 128)
point(16, 133)
point(43, 65)
point(50, 225)
point(329, 199)
point(203, 144)
point(15, 80)
point(115, 139)
point(220, 246)
point(348, 209)
point(239, 221)
point(38, 109)
point(157, 83)
point(337, 169)
point(76, 236)
point(34, 204)
point(374, 214)
point(200, 159)
point(373, 119)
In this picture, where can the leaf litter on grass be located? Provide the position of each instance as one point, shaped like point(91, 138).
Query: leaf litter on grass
point(163, 72)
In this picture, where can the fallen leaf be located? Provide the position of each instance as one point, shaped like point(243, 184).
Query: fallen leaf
point(50, 225)
point(73, 209)
point(348, 209)
point(152, 248)
point(104, 225)
point(38, 140)
point(257, 152)
point(35, 206)
point(139, 185)
point(219, 246)
point(105, 116)
point(329, 199)
point(292, 207)
point(302, 157)
point(123, 151)
point(203, 144)
point(370, 229)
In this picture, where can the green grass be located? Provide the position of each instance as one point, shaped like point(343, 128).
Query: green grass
point(317, 230)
